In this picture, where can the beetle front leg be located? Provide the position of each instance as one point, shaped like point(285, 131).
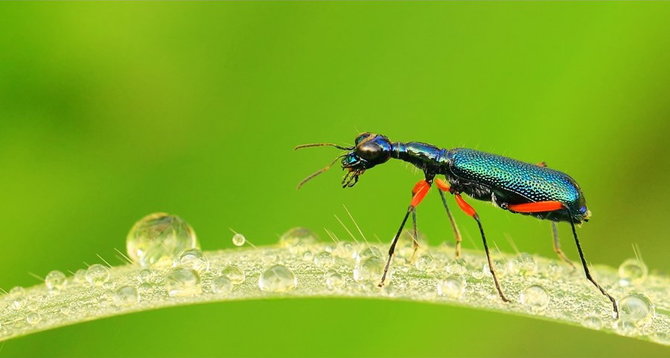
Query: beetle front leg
point(420, 190)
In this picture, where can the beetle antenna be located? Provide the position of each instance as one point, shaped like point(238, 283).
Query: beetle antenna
point(316, 173)
point(322, 145)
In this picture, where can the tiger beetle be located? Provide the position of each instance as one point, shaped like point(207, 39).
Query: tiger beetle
point(512, 185)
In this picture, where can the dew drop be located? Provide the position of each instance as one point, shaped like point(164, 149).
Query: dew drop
point(524, 264)
point(234, 273)
point(457, 267)
point(592, 322)
point(632, 271)
point(97, 274)
point(80, 276)
point(222, 285)
point(535, 297)
point(425, 263)
point(55, 280)
point(307, 256)
point(298, 239)
point(345, 250)
point(635, 308)
point(370, 269)
point(145, 275)
point(333, 280)
point(183, 282)
point(33, 318)
point(239, 239)
point(277, 278)
point(126, 296)
point(368, 252)
point(193, 259)
point(157, 239)
point(324, 259)
point(626, 328)
point(452, 287)
point(17, 290)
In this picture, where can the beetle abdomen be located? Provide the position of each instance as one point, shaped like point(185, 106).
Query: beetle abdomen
point(514, 181)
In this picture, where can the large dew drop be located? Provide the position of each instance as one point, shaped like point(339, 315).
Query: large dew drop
point(632, 271)
point(158, 239)
point(277, 278)
point(298, 239)
point(55, 281)
point(635, 308)
point(534, 297)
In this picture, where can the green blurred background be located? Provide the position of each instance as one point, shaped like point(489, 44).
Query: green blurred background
point(110, 111)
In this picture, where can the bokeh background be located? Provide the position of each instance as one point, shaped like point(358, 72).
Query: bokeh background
point(110, 111)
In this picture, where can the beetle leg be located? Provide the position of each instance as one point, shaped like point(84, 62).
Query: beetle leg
point(557, 245)
point(420, 190)
point(472, 213)
point(444, 186)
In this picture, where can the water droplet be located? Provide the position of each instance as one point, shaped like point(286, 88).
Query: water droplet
point(298, 239)
point(193, 259)
point(333, 280)
point(592, 322)
point(157, 239)
point(55, 280)
point(324, 259)
point(277, 278)
point(635, 308)
point(370, 269)
point(457, 267)
point(145, 275)
point(33, 318)
point(234, 273)
point(368, 252)
point(523, 264)
point(307, 256)
point(453, 286)
point(222, 284)
point(18, 298)
point(345, 250)
point(97, 274)
point(426, 263)
point(239, 239)
point(126, 296)
point(80, 276)
point(183, 282)
point(632, 271)
point(535, 297)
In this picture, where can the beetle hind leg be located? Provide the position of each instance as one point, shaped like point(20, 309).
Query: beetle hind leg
point(557, 246)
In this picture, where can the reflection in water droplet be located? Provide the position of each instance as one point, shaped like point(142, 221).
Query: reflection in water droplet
point(234, 273)
point(593, 322)
point(159, 238)
point(535, 297)
point(635, 308)
point(453, 286)
point(33, 318)
point(632, 271)
point(97, 274)
point(183, 282)
point(193, 259)
point(239, 239)
point(126, 296)
point(298, 239)
point(333, 280)
point(370, 269)
point(324, 259)
point(55, 280)
point(221, 284)
point(277, 278)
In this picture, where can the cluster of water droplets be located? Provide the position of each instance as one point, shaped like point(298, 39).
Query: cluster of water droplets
point(168, 268)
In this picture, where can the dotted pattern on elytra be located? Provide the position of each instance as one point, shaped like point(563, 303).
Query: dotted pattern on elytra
point(529, 180)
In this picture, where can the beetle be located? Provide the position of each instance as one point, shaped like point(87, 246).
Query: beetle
point(510, 184)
